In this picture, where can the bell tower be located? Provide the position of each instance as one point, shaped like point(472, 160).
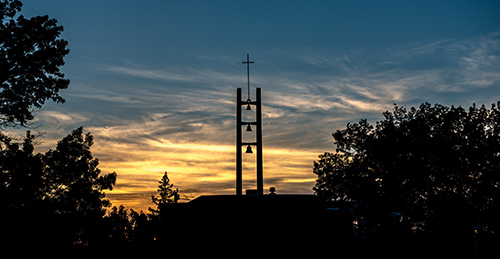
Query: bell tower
point(258, 138)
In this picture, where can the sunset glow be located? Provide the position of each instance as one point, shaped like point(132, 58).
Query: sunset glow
point(155, 81)
point(201, 169)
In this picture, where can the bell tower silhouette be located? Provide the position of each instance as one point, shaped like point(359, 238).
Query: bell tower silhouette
point(258, 142)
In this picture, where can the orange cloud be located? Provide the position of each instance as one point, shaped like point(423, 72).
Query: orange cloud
point(197, 169)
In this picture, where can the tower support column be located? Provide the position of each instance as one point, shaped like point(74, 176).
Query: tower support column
point(239, 166)
point(260, 177)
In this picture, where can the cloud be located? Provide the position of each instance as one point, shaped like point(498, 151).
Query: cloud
point(61, 117)
point(480, 67)
point(181, 118)
point(149, 74)
point(110, 97)
point(185, 74)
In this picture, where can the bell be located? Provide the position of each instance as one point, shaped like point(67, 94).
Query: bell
point(249, 128)
point(249, 150)
point(248, 105)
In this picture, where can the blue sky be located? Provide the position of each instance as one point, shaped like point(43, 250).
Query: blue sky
point(155, 81)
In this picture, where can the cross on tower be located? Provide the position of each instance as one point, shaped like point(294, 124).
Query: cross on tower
point(248, 62)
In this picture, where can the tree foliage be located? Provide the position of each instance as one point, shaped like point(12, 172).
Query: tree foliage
point(438, 166)
point(126, 227)
point(21, 173)
point(31, 54)
point(166, 194)
point(137, 231)
point(59, 194)
point(56, 200)
point(73, 178)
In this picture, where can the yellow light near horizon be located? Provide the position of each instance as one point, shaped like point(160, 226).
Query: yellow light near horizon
point(197, 168)
point(191, 146)
point(307, 180)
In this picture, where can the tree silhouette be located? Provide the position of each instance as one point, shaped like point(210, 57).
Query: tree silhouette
point(166, 194)
point(74, 183)
point(30, 56)
point(21, 174)
point(120, 227)
point(129, 230)
point(55, 199)
point(437, 168)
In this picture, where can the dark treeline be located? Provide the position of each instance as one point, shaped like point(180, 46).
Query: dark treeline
point(132, 231)
point(429, 174)
point(54, 201)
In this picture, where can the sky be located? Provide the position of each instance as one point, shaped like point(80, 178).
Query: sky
point(155, 81)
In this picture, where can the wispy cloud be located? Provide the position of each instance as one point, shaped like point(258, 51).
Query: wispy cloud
point(480, 68)
point(181, 119)
point(58, 117)
point(149, 74)
point(185, 74)
point(411, 73)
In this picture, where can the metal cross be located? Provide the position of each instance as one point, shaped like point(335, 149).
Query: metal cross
point(248, 62)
